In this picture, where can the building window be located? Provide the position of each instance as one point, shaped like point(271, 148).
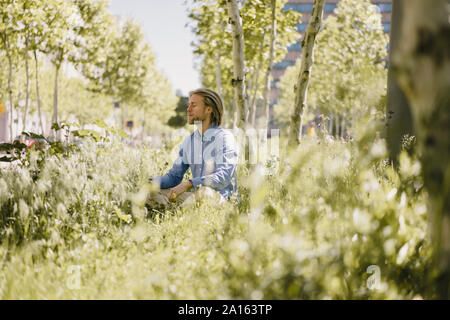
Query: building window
point(386, 27)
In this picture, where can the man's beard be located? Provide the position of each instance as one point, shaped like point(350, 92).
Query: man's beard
point(197, 119)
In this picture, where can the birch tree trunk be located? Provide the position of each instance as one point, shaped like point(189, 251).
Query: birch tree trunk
point(238, 63)
point(38, 95)
point(252, 113)
point(421, 65)
point(55, 100)
point(10, 91)
point(55, 95)
point(27, 97)
point(266, 95)
point(303, 79)
point(398, 113)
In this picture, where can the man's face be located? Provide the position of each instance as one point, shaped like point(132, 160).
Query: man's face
point(197, 111)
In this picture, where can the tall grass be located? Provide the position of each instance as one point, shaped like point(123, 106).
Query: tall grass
point(75, 227)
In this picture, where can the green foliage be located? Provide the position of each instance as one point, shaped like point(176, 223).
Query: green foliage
point(121, 71)
point(126, 71)
point(113, 60)
point(348, 77)
point(14, 151)
point(214, 44)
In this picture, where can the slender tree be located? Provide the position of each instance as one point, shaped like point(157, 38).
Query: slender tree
point(266, 94)
point(8, 37)
point(37, 33)
point(238, 63)
point(348, 76)
point(61, 20)
point(207, 18)
point(29, 15)
point(5, 39)
point(303, 79)
point(38, 91)
point(252, 107)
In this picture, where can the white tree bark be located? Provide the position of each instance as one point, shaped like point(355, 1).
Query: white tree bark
point(27, 98)
point(38, 95)
point(252, 113)
point(55, 95)
point(11, 102)
point(266, 94)
point(10, 91)
point(57, 133)
point(421, 66)
point(303, 79)
point(238, 63)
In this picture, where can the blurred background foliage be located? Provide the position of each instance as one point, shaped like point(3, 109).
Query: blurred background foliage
point(76, 61)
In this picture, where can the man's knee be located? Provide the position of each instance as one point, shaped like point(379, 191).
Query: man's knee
point(207, 193)
point(161, 197)
point(158, 198)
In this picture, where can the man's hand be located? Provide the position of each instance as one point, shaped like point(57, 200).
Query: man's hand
point(179, 189)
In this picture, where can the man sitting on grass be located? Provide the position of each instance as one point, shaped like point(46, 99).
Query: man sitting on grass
point(210, 152)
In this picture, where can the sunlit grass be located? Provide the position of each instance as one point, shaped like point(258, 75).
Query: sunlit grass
point(75, 228)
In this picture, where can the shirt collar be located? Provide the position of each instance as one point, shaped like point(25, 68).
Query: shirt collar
point(208, 133)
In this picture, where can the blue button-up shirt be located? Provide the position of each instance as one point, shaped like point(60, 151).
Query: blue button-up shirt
point(212, 158)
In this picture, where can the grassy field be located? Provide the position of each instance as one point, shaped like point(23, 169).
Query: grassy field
point(336, 222)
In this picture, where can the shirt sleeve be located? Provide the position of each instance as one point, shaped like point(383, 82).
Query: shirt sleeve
point(175, 174)
point(226, 160)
